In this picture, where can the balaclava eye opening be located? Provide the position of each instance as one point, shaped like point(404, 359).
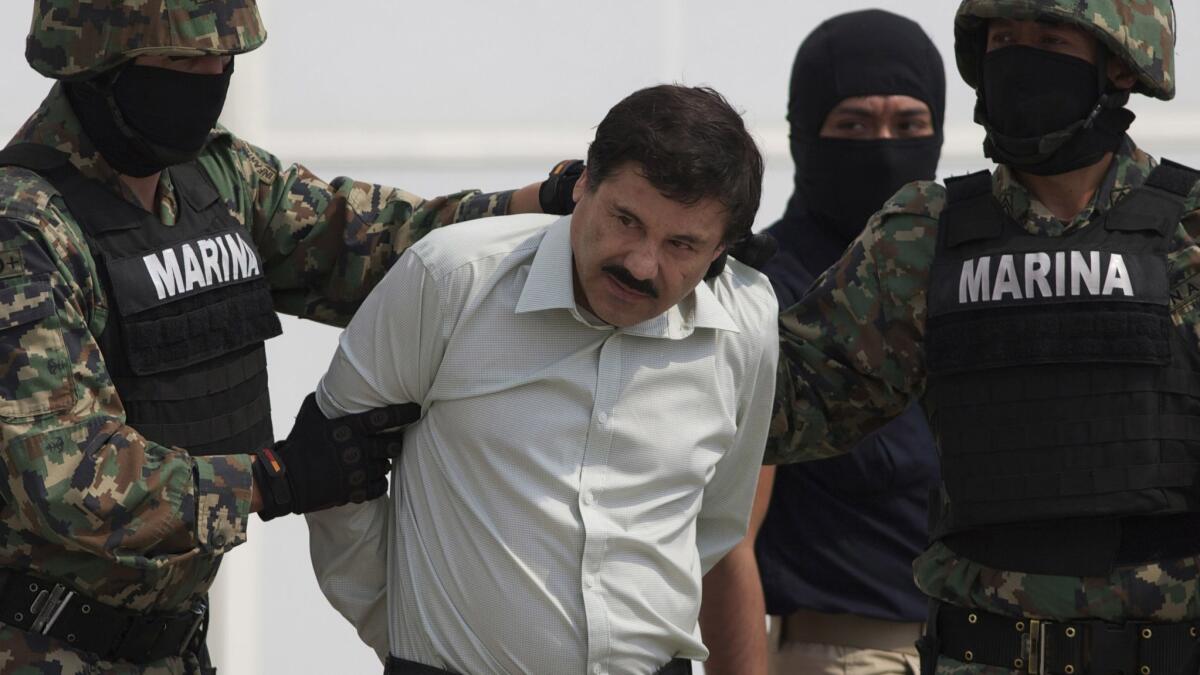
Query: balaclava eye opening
point(839, 183)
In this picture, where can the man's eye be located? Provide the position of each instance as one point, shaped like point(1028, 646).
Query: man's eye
point(681, 245)
point(625, 220)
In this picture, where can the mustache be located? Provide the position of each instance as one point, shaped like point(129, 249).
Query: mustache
point(643, 286)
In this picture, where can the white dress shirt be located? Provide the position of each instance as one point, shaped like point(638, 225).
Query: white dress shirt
point(569, 482)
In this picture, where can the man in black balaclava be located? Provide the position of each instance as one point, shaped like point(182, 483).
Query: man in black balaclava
point(836, 547)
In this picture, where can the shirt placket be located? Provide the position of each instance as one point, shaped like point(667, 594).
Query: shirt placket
point(591, 485)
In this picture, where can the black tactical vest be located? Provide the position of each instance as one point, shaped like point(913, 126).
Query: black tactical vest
point(189, 308)
point(1065, 402)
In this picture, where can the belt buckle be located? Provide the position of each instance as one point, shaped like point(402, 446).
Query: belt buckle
point(1033, 644)
point(200, 609)
point(49, 608)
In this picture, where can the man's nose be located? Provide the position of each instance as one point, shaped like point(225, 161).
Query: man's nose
point(642, 262)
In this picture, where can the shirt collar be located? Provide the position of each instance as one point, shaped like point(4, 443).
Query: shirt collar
point(550, 285)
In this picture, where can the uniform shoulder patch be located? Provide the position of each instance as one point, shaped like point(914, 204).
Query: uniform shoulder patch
point(261, 167)
point(265, 172)
point(12, 263)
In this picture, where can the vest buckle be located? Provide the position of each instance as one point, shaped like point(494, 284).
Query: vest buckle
point(49, 605)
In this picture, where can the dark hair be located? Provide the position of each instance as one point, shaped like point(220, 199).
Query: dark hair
point(689, 143)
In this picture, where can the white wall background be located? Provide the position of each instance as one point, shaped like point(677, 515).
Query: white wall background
point(436, 96)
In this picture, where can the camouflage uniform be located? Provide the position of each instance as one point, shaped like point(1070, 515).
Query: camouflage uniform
point(852, 352)
point(89, 501)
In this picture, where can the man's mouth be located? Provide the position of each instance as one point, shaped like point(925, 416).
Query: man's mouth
point(624, 290)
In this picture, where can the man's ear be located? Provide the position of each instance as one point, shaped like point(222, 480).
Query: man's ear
point(580, 186)
point(722, 248)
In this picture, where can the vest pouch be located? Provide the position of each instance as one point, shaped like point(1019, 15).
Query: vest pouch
point(1096, 333)
point(36, 377)
point(199, 329)
point(190, 302)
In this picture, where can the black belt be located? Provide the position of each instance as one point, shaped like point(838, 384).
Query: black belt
point(47, 608)
point(398, 666)
point(1066, 647)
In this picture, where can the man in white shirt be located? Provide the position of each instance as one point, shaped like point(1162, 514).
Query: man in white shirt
point(595, 395)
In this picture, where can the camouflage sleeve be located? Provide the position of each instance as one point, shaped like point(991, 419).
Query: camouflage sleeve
point(851, 355)
point(74, 475)
point(326, 245)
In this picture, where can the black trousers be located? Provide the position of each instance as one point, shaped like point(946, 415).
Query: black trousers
point(397, 666)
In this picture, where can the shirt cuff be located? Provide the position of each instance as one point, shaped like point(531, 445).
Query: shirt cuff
point(223, 491)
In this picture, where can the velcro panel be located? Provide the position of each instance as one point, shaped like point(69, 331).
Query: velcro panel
point(1094, 332)
point(243, 316)
point(1173, 177)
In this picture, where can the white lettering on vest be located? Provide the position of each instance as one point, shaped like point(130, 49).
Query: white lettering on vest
point(224, 257)
point(193, 276)
point(208, 256)
point(240, 268)
point(973, 284)
point(1037, 268)
point(1060, 273)
point(1087, 271)
point(1006, 280)
point(220, 259)
point(165, 273)
point(1118, 277)
point(252, 266)
point(1028, 276)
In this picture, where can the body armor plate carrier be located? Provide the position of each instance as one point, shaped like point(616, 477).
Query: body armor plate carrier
point(1065, 402)
point(190, 308)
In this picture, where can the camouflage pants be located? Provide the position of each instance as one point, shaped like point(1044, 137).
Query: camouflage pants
point(23, 653)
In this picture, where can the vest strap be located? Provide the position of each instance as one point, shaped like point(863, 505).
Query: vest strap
point(1159, 204)
point(971, 213)
point(40, 159)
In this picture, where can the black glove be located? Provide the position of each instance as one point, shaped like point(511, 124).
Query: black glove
point(326, 462)
point(555, 193)
point(754, 251)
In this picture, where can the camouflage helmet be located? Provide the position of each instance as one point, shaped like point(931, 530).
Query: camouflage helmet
point(76, 39)
point(1140, 32)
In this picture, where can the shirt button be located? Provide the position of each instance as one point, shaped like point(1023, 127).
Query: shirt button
point(589, 580)
point(602, 418)
point(597, 669)
point(588, 497)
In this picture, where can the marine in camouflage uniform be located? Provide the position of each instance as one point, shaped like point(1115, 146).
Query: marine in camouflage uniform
point(89, 501)
point(855, 351)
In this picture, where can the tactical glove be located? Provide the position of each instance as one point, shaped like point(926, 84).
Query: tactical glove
point(754, 251)
point(325, 463)
point(555, 194)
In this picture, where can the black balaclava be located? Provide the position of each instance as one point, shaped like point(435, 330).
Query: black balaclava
point(1047, 113)
point(144, 119)
point(839, 183)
